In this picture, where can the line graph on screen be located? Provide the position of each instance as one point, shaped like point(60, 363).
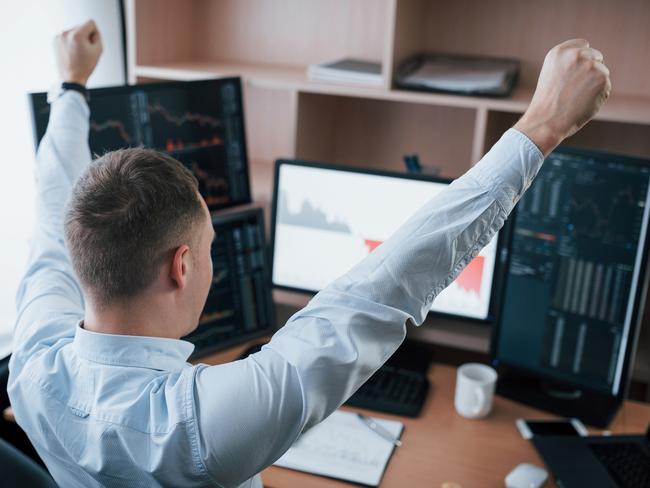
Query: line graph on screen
point(336, 243)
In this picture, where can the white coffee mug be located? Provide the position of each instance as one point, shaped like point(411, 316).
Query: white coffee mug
point(475, 385)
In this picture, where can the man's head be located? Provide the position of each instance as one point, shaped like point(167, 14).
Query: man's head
point(138, 232)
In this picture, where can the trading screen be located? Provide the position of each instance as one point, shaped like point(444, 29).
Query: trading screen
point(239, 304)
point(575, 260)
point(199, 123)
point(327, 220)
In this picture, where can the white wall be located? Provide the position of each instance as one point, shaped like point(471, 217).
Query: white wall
point(27, 28)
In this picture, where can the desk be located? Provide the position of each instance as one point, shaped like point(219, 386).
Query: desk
point(441, 446)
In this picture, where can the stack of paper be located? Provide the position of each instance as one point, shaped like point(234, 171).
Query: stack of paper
point(459, 74)
point(344, 447)
point(453, 76)
point(347, 70)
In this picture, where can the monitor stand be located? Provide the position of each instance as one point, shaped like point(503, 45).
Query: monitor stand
point(592, 407)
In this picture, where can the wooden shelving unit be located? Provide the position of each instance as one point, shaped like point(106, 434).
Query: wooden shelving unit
point(619, 108)
point(270, 45)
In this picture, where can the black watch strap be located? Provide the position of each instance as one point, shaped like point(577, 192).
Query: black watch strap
point(76, 87)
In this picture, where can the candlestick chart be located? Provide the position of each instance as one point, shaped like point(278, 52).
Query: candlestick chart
point(199, 123)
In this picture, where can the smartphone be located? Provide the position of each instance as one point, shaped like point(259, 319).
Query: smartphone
point(570, 427)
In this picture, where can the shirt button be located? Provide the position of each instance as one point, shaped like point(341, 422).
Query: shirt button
point(429, 297)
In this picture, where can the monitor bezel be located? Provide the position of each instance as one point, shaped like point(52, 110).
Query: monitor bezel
point(128, 89)
point(225, 218)
point(594, 394)
point(495, 293)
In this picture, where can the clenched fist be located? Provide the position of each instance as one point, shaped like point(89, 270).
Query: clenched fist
point(573, 84)
point(77, 52)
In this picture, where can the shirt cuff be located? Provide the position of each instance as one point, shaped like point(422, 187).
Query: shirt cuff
point(509, 168)
point(69, 110)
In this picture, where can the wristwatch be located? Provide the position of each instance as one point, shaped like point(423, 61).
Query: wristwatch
point(59, 88)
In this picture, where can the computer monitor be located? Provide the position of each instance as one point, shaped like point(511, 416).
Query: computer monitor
point(575, 285)
point(201, 123)
point(327, 218)
point(239, 305)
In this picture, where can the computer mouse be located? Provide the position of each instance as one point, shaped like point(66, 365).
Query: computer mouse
point(526, 476)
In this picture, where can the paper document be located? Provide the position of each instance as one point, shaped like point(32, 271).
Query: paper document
point(344, 447)
point(347, 70)
point(456, 77)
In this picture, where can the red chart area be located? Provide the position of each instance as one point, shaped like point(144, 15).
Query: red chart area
point(472, 276)
point(469, 280)
point(371, 245)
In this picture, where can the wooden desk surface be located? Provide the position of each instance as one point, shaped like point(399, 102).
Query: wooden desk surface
point(440, 446)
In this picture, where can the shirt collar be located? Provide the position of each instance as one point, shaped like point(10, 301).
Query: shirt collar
point(158, 353)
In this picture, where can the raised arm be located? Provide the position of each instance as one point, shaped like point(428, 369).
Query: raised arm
point(49, 286)
point(332, 346)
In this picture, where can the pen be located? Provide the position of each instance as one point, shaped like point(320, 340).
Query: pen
point(379, 430)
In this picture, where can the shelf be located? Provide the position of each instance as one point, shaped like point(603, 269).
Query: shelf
point(633, 109)
point(517, 103)
point(258, 74)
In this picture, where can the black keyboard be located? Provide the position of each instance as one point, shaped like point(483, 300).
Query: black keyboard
point(392, 389)
point(626, 463)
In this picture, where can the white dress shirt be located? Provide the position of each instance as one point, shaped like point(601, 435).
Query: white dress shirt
point(111, 410)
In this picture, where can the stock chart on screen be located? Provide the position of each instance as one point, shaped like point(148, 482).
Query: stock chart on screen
point(239, 305)
point(329, 219)
point(200, 123)
point(576, 268)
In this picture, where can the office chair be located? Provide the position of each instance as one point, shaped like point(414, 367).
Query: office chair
point(4, 378)
point(17, 469)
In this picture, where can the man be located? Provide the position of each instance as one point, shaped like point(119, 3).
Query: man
point(99, 378)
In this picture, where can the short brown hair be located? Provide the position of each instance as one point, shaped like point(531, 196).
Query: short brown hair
point(128, 211)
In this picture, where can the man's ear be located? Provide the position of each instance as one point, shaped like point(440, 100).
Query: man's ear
point(178, 271)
